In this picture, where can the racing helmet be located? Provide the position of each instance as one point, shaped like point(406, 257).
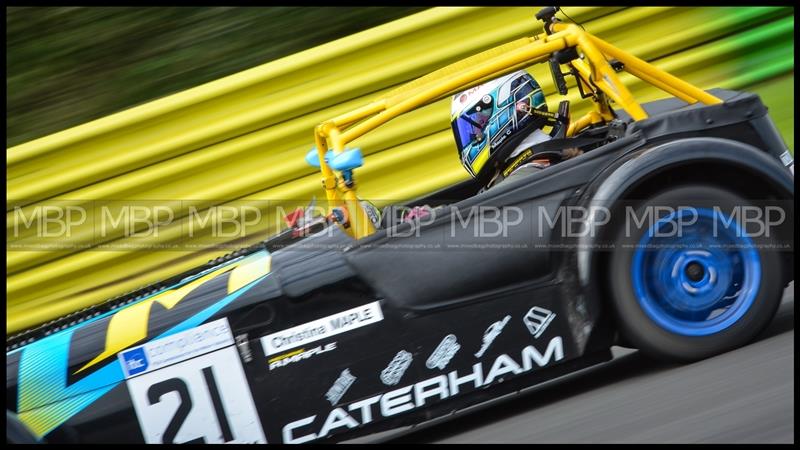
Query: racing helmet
point(491, 119)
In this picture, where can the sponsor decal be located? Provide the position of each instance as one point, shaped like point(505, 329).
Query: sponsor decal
point(372, 212)
point(134, 361)
point(420, 394)
point(537, 319)
point(786, 158)
point(316, 330)
point(340, 386)
point(299, 355)
point(517, 162)
point(176, 348)
point(788, 161)
point(501, 138)
point(397, 367)
point(443, 353)
point(491, 333)
point(244, 347)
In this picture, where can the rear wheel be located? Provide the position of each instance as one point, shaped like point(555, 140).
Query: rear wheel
point(692, 283)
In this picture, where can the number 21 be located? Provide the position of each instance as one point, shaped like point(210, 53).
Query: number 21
point(158, 390)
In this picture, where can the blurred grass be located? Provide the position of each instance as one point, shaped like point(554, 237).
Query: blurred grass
point(69, 65)
point(779, 93)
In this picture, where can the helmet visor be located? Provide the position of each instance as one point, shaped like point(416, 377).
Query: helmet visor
point(471, 128)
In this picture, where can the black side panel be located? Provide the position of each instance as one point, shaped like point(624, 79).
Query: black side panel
point(452, 257)
point(740, 108)
point(671, 104)
point(458, 191)
point(312, 263)
point(447, 260)
point(742, 117)
point(12, 369)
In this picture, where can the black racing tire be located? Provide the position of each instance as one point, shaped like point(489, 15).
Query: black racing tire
point(655, 340)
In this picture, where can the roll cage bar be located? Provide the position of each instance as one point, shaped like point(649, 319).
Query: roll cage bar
point(560, 43)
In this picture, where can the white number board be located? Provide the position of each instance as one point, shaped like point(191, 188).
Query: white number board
point(202, 399)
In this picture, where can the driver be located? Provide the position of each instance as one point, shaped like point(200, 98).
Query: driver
point(495, 125)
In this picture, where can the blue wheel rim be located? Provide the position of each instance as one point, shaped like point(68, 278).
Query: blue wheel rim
point(699, 278)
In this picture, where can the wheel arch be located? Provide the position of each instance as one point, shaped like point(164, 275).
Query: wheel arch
point(726, 163)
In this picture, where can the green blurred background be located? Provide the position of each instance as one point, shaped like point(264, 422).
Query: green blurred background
point(69, 65)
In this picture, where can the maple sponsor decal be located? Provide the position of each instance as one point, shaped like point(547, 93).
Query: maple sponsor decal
point(491, 334)
point(420, 394)
point(397, 367)
point(299, 355)
point(443, 353)
point(537, 319)
point(340, 386)
point(319, 329)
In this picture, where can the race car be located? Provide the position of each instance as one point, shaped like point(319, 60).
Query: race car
point(348, 323)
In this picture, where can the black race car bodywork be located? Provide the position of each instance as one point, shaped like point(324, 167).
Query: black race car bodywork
point(327, 338)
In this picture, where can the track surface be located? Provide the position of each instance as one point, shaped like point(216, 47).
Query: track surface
point(743, 396)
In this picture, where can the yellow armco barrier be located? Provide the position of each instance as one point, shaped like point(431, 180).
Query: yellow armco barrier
point(243, 138)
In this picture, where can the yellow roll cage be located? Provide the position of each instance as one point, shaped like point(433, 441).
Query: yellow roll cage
point(594, 74)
